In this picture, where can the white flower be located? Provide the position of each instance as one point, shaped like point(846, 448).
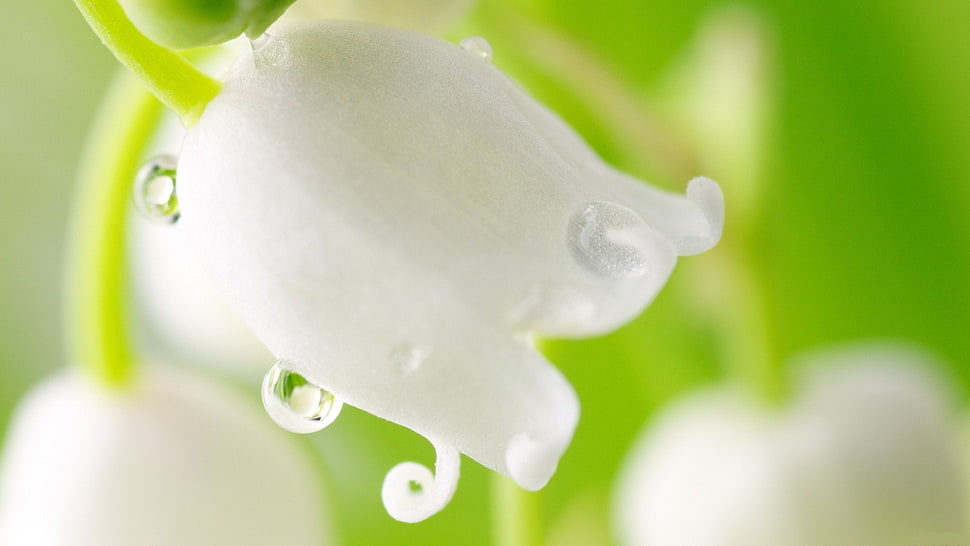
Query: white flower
point(174, 460)
point(864, 455)
point(394, 218)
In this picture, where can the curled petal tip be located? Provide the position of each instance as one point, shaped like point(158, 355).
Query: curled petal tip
point(706, 195)
point(411, 493)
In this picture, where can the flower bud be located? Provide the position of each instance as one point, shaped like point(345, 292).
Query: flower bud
point(183, 24)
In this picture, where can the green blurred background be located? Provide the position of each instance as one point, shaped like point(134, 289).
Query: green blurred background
point(848, 213)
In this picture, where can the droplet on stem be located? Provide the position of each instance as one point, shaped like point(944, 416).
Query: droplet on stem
point(154, 192)
point(296, 404)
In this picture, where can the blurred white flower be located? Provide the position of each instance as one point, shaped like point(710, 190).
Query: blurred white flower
point(393, 218)
point(430, 16)
point(173, 460)
point(186, 315)
point(721, 94)
point(864, 455)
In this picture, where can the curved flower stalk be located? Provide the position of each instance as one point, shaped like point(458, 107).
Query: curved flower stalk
point(865, 454)
point(394, 219)
point(174, 460)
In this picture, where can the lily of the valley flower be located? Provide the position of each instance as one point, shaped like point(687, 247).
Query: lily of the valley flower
point(864, 455)
point(394, 218)
point(174, 460)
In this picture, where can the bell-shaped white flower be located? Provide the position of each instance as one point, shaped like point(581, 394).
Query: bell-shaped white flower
point(864, 455)
point(394, 218)
point(173, 460)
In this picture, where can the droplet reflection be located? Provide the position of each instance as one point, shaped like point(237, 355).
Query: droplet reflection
point(602, 237)
point(296, 404)
point(154, 192)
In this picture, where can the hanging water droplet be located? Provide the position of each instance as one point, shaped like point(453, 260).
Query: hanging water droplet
point(407, 358)
point(296, 404)
point(602, 238)
point(154, 191)
point(477, 46)
point(270, 51)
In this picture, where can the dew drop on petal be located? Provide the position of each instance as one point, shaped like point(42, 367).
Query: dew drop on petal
point(602, 238)
point(154, 192)
point(407, 358)
point(296, 404)
point(478, 46)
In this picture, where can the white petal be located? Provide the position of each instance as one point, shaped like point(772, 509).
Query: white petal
point(864, 455)
point(175, 460)
point(360, 190)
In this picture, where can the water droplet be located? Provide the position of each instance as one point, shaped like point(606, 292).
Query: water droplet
point(154, 191)
point(270, 51)
point(296, 404)
point(477, 46)
point(407, 358)
point(602, 238)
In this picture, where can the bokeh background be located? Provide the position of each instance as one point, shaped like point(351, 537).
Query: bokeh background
point(844, 159)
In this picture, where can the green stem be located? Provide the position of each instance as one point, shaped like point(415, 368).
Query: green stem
point(515, 514)
point(96, 269)
point(175, 81)
point(745, 325)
